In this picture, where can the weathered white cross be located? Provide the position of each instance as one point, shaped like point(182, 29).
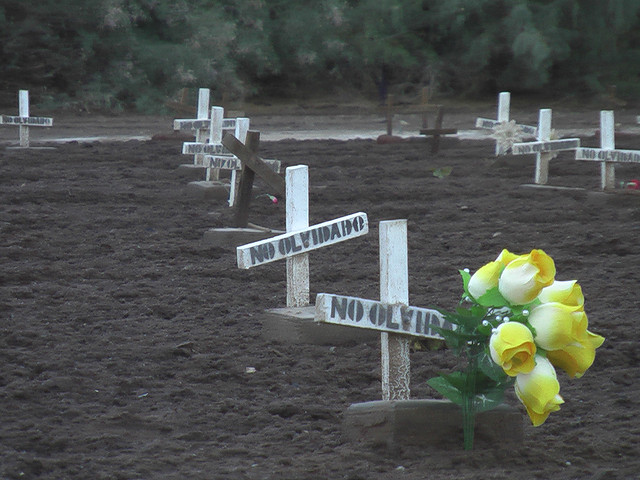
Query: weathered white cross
point(504, 103)
point(607, 153)
point(213, 148)
point(396, 321)
point(300, 238)
point(201, 124)
point(545, 148)
point(24, 120)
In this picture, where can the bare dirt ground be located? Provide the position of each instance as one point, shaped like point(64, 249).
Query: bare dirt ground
point(125, 340)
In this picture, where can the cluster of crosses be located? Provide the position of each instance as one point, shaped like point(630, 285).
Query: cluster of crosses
point(208, 151)
point(546, 148)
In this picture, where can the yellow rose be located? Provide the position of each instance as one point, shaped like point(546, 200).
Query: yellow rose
point(539, 391)
point(523, 278)
point(567, 292)
point(506, 257)
point(562, 331)
point(512, 347)
point(576, 358)
point(486, 277)
point(557, 325)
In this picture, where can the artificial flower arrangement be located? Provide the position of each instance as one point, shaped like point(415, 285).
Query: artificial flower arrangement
point(515, 324)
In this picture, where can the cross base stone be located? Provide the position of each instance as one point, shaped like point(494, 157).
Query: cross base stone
point(233, 237)
point(31, 148)
point(208, 190)
point(297, 325)
point(189, 170)
point(552, 187)
point(433, 423)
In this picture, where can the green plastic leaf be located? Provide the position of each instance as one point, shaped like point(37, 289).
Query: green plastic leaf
point(492, 298)
point(444, 387)
point(469, 318)
point(489, 399)
point(466, 276)
point(491, 369)
point(452, 337)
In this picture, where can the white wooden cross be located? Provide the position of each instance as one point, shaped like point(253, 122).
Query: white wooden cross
point(213, 148)
point(201, 125)
point(607, 153)
point(24, 120)
point(219, 125)
point(300, 238)
point(396, 321)
point(504, 103)
point(545, 148)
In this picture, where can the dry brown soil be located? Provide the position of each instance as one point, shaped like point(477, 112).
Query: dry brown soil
point(125, 340)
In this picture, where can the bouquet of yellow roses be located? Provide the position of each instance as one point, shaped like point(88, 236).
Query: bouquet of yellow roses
point(515, 324)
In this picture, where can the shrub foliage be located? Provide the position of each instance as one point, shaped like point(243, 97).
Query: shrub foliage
point(136, 53)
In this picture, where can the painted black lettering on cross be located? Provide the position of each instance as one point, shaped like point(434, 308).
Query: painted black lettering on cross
point(294, 243)
point(382, 315)
point(305, 240)
point(486, 123)
point(616, 156)
point(542, 147)
point(344, 307)
point(28, 121)
point(262, 253)
point(351, 311)
point(225, 163)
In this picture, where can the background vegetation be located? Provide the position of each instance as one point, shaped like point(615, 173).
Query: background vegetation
point(115, 54)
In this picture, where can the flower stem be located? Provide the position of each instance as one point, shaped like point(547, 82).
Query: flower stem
point(468, 402)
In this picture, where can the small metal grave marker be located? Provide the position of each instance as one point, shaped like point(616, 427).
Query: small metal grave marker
point(607, 153)
point(504, 104)
point(23, 120)
point(392, 316)
point(545, 148)
point(300, 238)
point(201, 125)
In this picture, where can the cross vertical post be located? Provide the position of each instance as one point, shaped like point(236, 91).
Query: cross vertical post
point(23, 112)
point(203, 114)
point(297, 218)
point(247, 177)
point(504, 105)
point(607, 142)
point(242, 128)
point(544, 135)
point(215, 136)
point(394, 289)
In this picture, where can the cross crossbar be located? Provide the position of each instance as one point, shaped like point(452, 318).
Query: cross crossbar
point(29, 121)
point(231, 162)
point(545, 146)
point(255, 163)
point(298, 242)
point(604, 155)
point(374, 315)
